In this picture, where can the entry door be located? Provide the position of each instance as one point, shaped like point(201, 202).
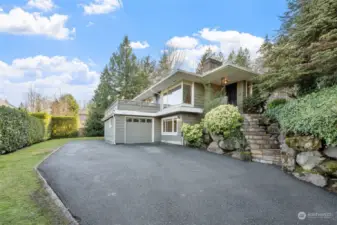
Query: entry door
point(138, 130)
point(231, 92)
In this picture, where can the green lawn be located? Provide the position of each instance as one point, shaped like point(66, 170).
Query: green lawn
point(22, 198)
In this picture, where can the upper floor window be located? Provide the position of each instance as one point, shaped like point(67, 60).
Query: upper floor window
point(180, 94)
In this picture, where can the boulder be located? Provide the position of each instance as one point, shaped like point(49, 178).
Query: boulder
point(264, 121)
point(214, 147)
point(331, 152)
point(216, 137)
point(308, 160)
point(313, 178)
point(332, 185)
point(288, 158)
point(273, 128)
point(304, 143)
point(329, 167)
point(206, 138)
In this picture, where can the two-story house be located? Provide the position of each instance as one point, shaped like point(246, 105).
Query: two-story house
point(156, 115)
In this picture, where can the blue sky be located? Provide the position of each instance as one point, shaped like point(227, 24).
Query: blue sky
point(60, 46)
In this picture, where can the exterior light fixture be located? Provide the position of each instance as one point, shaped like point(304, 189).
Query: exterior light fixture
point(224, 81)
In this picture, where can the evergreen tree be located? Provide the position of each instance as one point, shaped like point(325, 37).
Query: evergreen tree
point(242, 58)
point(306, 47)
point(231, 57)
point(208, 53)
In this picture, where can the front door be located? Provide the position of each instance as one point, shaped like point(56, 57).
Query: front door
point(231, 93)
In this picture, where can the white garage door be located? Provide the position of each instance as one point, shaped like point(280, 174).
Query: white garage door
point(138, 130)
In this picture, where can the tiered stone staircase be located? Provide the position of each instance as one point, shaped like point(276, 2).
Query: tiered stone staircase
point(264, 147)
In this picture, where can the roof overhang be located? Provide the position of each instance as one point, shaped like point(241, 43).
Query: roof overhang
point(231, 72)
point(167, 82)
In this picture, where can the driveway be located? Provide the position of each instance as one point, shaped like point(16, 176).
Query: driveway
point(175, 185)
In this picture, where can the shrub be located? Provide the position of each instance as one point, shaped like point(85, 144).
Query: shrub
point(192, 134)
point(18, 129)
point(314, 114)
point(36, 130)
point(64, 126)
point(223, 119)
point(276, 102)
point(254, 103)
point(46, 118)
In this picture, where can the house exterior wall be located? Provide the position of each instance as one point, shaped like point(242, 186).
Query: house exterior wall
point(109, 131)
point(199, 95)
point(157, 129)
point(188, 118)
point(241, 90)
point(120, 129)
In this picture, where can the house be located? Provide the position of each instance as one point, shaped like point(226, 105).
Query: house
point(4, 102)
point(156, 115)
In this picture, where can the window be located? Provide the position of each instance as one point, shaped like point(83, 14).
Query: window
point(187, 93)
point(142, 120)
point(149, 121)
point(170, 126)
point(129, 120)
point(135, 120)
point(180, 94)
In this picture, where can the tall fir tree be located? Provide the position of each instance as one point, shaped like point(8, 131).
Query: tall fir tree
point(208, 53)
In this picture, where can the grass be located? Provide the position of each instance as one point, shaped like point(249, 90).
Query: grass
point(23, 200)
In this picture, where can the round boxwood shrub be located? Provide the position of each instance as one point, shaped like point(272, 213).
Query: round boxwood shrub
point(223, 119)
point(192, 134)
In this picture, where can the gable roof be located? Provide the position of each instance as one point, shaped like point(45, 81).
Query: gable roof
point(179, 75)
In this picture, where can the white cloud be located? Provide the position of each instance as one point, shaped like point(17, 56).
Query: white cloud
point(1, 10)
point(49, 76)
point(90, 24)
point(182, 42)
point(20, 22)
point(102, 6)
point(44, 5)
point(232, 40)
point(139, 45)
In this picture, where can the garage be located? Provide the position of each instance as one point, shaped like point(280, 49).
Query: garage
point(138, 130)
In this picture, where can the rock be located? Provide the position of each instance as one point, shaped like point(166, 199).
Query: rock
point(273, 129)
point(228, 145)
point(308, 160)
point(216, 137)
point(313, 178)
point(332, 185)
point(236, 155)
point(288, 158)
point(329, 167)
point(214, 147)
point(331, 152)
point(264, 121)
point(207, 138)
point(304, 143)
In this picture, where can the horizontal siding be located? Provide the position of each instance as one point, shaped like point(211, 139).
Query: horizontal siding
point(157, 130)
point(175, 139)
point(120, 129)
point(190, 118)
point(108, 131)
point(199, 95)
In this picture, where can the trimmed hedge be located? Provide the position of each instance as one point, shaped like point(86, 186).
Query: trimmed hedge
point(314, 114)
point(64, 126)
point(46, 118)
point(18, 130)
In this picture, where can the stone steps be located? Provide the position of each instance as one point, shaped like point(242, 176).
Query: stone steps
point(264, 147)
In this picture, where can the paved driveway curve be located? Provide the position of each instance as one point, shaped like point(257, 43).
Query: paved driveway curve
point(164, 184)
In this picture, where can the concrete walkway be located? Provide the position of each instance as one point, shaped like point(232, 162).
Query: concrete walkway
point(165, 184)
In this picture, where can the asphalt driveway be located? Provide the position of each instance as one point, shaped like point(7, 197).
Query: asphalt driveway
point(174, 185)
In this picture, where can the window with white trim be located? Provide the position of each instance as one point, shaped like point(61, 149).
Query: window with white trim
point(179, 94)
point(170, 126)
